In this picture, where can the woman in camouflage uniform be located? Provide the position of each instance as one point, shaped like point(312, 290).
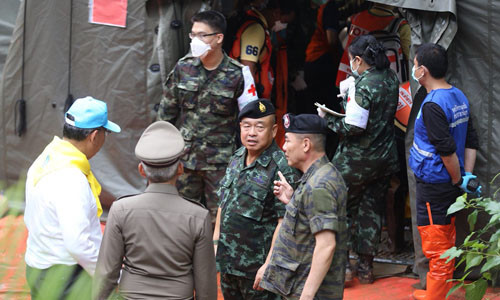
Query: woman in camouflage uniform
point(367, 154)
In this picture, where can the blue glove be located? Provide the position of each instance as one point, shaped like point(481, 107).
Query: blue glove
point(464, 184)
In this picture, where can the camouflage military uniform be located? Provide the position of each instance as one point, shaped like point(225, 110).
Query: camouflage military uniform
point(249, 215)
point(367, 157)
point(203, 105)
point(318, 203)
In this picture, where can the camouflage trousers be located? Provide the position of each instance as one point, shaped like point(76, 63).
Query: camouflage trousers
point(241, 288)
point(365, 210)
point(201, 186)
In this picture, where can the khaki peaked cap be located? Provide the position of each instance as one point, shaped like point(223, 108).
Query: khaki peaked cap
point(160, 145)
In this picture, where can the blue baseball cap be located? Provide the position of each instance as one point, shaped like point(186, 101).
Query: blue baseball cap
point(88, 113)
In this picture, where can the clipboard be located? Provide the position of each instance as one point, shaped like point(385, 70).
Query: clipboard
point(326, 109)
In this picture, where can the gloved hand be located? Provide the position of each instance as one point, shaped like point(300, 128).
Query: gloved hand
point(469, 184)
point(321, 112)
point(345, 85)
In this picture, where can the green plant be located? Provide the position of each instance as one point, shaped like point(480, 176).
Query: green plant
point(476, 248)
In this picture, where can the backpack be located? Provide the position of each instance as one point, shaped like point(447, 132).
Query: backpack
point(389, 38)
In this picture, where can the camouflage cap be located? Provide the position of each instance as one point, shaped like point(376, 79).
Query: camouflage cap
point(305, 123)
point(257, 109)
point(160, 145)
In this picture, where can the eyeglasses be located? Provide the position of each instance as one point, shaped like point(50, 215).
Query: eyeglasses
point(201, 35)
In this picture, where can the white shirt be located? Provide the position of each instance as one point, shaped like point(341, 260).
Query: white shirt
point(62, 222)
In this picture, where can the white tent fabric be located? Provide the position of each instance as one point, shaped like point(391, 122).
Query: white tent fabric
point(108, 63)
point(65, 54)
point(8, 13)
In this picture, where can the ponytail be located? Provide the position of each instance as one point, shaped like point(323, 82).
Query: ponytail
point(370, 50)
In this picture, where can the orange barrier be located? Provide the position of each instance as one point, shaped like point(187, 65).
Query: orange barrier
point(13, 235)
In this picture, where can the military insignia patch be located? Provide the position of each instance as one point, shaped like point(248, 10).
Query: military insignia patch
point(286, 121)
point(262, 107)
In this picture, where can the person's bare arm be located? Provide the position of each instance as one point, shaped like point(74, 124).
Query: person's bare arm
point(470, 159)
point(452, 166)
point(321, 261)
point(262, 269)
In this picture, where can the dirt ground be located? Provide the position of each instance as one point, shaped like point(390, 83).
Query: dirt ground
point(391, 284)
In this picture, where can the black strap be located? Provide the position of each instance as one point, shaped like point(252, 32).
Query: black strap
point(69, 44)
point(20, 106)
point(24, 47)
point(394, 25)
point(69, 99)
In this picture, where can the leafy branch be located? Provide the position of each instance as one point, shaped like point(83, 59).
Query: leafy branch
point(476, 248)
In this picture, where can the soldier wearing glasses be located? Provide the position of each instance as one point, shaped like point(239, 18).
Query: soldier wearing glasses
point(203, 95)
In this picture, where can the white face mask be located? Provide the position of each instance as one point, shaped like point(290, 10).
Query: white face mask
point(354, 72)
point(413, 70)
point(198, 47)
point(278, 26)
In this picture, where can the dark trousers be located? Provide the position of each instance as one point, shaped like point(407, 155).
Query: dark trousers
point(365, 209)
point(59, 282)
point(241, 288)
point(440, 197)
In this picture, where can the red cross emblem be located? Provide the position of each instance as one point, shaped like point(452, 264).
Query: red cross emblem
point(252, 90)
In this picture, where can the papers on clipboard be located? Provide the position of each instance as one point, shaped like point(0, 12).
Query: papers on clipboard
point(326, 109)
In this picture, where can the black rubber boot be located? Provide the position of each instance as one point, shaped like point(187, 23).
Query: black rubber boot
point(365, 269)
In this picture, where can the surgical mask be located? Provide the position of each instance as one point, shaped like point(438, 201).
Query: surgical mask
point(278, 26)
point(413, 70)
point(198, 47)
point(354, 72)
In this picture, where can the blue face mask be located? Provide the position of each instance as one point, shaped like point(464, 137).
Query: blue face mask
point(413, 70)
point(354, 72)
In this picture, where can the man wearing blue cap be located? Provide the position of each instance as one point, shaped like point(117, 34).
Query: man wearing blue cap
point(62, 206)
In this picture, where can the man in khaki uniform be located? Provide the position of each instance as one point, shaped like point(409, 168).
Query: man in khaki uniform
point(163, 241)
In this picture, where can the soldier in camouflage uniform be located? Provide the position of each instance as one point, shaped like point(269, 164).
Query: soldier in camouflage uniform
point(201, 98)
point(367, 154)
point(249, 214)
point(310, 252)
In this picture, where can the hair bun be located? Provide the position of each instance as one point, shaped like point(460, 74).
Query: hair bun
point(375, 49)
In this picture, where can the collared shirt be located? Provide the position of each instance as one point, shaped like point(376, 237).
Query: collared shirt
point(163, 245)
point(249, 210)
point(318, 203)
point(62, 222)
point(204, 108)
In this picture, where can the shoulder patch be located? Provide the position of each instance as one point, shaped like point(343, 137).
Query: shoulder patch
point(280, 160)
point(194, 202)
point(236, 63)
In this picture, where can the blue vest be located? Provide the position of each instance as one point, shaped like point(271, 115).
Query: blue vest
point(424, 161)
